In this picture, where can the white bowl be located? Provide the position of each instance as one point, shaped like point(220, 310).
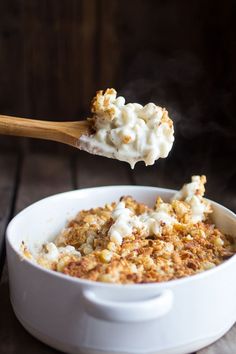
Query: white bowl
point(81, 316)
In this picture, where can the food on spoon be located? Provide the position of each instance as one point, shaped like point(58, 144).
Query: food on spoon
point(128, 242)
point(128, 132)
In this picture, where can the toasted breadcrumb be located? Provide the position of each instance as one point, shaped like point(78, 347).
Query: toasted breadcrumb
point(177, 248)
point(127, 131)
point(102, 104)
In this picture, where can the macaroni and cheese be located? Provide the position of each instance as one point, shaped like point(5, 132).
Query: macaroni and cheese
point(129, 242)
point(128, 132)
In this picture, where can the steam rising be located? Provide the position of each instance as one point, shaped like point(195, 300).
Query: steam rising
point(203, 112)
point(182, 85)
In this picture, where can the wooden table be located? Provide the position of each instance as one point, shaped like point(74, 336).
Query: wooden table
point(25, 179)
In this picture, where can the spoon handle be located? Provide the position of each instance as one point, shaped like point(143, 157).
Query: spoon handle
point(29, 128)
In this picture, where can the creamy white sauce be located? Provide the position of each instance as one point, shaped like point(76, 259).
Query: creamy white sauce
point(192, 193)
point(125, 221)
point(152, 222)
point(129, 132)
point(51, 252)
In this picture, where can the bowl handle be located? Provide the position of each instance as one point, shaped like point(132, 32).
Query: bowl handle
point(135, 311)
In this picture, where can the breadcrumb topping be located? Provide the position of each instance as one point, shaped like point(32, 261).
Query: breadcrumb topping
point(128, 242)
point(102, 104)
point(128, 132)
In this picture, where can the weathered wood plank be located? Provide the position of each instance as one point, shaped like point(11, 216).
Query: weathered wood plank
point(13, 337)
point(163, 174)
point(8, 166)
point(225, 345)
point(43, 175)
point(94, 171)
point(109, 47)
point(55, 27)
point(52, 174)
point(88, 52)
point(11, 63)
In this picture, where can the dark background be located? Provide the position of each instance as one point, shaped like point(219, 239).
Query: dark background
point(55, 54)
point(181, 54)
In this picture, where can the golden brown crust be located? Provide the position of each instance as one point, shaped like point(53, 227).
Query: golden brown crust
point(179, 251)
point(102, 107)
point(166, 119)
point(101, 104)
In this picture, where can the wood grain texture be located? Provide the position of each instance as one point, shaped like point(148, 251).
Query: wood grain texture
point(11, 58)
point(42, 176)
point(95, 171)
point(13, 337)
point(63, 132)
point(52, 57)
point(164, 173)
point(88, 55)
point(109, 45)
point(225, 345)
point(8, 165)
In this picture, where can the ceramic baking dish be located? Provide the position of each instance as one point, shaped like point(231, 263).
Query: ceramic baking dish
point(79, 316)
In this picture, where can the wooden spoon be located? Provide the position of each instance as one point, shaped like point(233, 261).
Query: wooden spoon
point(64, 132)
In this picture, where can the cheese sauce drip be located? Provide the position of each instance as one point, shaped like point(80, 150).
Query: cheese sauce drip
point(128, 132)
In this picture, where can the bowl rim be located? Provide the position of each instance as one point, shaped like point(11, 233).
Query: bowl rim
point(86, 282)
